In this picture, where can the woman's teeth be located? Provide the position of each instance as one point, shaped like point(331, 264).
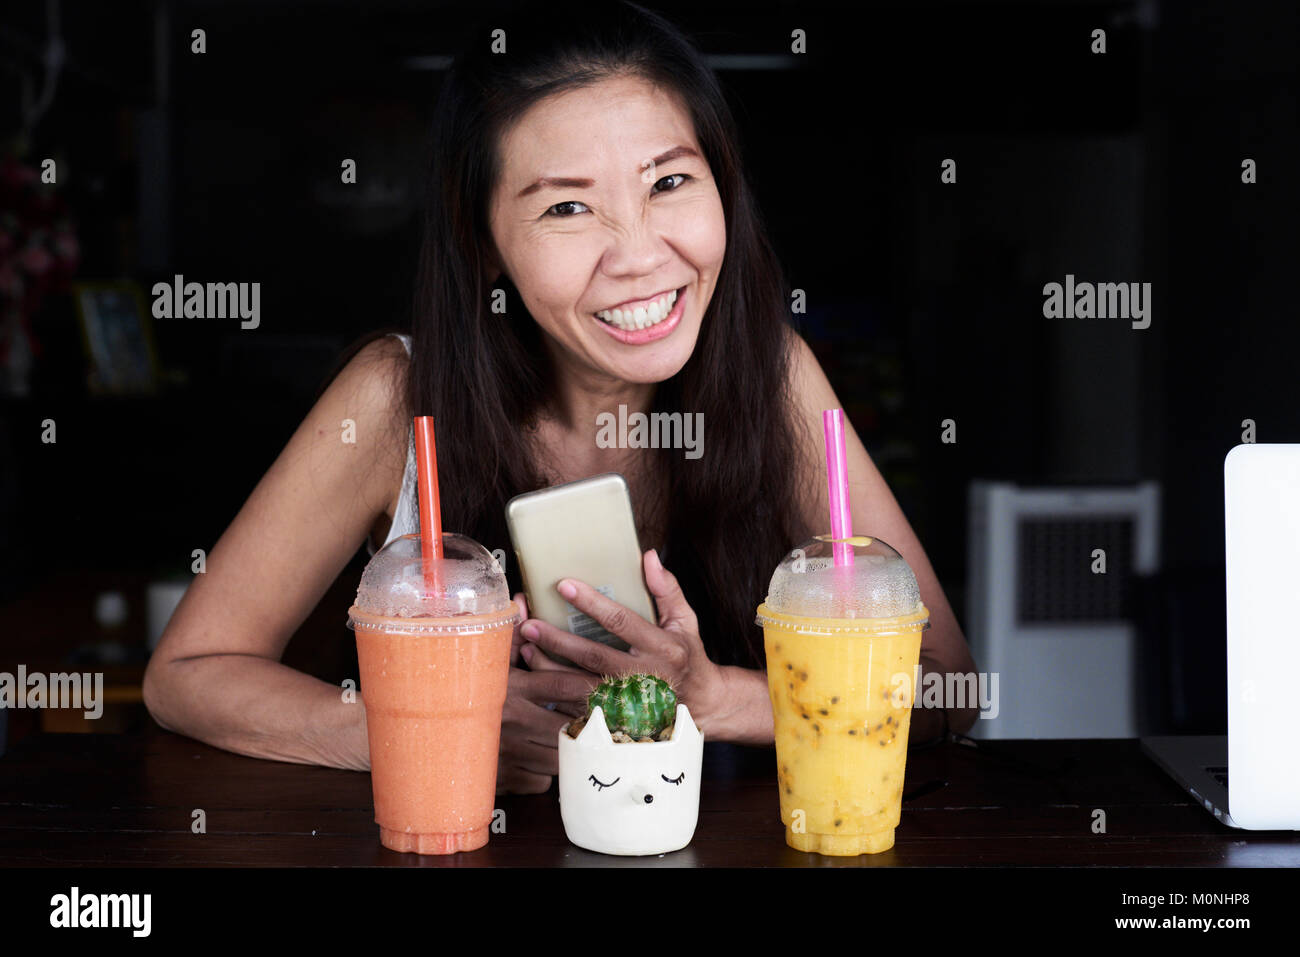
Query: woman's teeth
point(642, 317)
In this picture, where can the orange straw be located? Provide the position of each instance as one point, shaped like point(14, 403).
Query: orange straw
point(426, 468)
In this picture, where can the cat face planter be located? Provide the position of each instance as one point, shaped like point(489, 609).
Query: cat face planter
point(631, 798)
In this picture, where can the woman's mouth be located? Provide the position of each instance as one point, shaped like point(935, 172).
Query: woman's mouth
point(647, 322)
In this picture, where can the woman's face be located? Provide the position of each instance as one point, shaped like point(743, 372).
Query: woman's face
point(605, 201)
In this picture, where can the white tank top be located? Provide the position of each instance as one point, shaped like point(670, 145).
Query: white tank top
point(406, 518)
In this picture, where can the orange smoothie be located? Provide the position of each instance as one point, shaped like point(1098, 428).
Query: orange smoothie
point(433, 718)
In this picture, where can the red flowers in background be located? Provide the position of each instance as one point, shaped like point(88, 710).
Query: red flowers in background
point(39, 254)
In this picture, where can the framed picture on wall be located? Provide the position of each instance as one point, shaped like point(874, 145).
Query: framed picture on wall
point(120, 353)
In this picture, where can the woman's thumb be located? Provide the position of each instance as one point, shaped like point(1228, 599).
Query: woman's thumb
point(669, 599)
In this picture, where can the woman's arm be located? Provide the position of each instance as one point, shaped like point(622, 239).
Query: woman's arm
point(876, 512)
point(747, 716)
point(216, 675)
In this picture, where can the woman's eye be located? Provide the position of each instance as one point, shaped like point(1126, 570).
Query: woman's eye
point(567, 208)
point(567, 202)
point(681, 176)
point(677, 780)
point(601, 785)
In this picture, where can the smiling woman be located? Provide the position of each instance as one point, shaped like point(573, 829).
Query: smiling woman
point(591, 249)
point(627, 253)
point(631, 251)
point(592, 172)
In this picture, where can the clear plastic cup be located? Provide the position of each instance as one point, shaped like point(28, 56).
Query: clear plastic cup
point(434, 667)
point(842, 643)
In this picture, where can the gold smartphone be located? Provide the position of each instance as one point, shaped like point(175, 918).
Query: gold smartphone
point(583, 530)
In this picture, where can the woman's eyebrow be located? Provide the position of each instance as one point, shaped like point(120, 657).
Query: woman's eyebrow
point(568, 182)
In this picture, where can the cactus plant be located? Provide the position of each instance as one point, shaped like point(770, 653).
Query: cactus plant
point(640, 706)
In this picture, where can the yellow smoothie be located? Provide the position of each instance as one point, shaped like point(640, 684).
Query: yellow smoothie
point(842, 705)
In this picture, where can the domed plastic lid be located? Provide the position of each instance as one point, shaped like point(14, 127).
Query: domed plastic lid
point(879, 583)
point(471, 589)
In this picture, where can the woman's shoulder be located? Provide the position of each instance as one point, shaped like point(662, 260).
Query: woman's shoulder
point(381, 368)
point(810, 393)
point(809, 390)
point(373, 386)
point(393, 347)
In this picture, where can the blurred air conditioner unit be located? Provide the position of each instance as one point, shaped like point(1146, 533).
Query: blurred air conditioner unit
point(1041, 615)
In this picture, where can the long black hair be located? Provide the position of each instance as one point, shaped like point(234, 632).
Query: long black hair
point(732, 513)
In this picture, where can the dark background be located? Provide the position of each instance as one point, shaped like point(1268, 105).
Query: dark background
point(925, 300)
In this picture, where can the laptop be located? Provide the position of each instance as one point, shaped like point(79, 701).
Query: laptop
point(1254, 772)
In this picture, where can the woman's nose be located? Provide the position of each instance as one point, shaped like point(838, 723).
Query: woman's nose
point(636, 254)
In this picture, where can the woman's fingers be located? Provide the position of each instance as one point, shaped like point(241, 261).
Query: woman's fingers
point(590, 656)
point(532, 756)
point(516, 639)
point(569, 688)
point(670, 602)
point(614, 618)
point(539, 661)
point(529, 753)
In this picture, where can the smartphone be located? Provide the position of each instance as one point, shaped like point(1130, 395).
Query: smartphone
point(583, 530)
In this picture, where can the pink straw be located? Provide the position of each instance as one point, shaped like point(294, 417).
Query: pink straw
point(837, 484)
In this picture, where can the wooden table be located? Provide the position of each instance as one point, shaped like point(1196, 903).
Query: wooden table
point(129, 799)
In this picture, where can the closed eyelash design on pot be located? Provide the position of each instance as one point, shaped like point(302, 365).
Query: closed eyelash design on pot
point(601, 785)
point(677, 780)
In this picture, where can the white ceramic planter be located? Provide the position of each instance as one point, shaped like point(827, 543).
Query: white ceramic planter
point(631, 798)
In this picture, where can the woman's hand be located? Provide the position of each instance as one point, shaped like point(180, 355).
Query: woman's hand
point(672, 649)
point(528, 757)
